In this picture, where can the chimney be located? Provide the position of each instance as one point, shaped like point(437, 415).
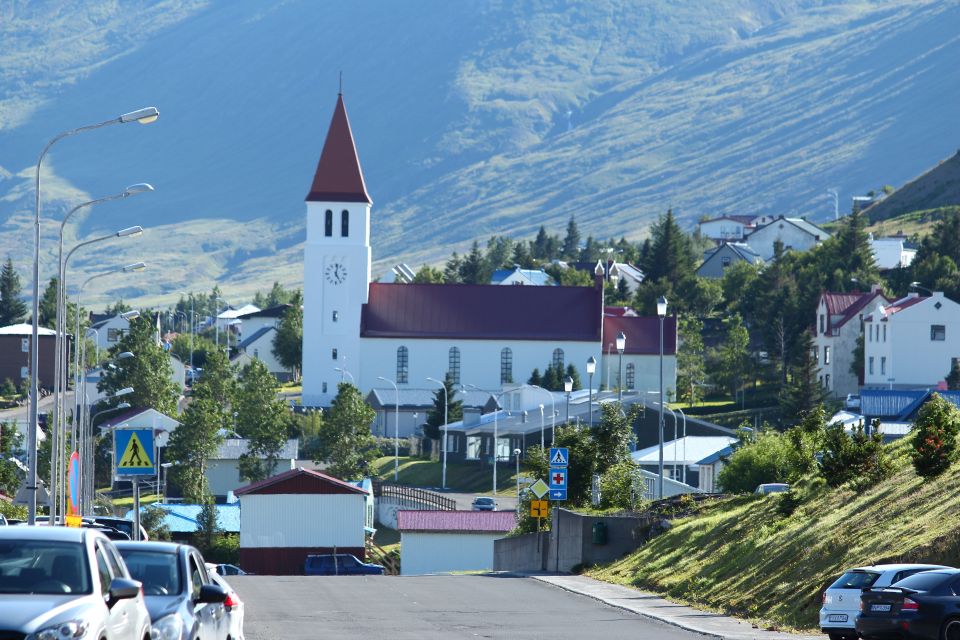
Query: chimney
point(471, 416)
point(876, 288)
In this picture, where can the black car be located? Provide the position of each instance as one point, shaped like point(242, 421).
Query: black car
point(341, 564)
point(924, 606)
point(184, 602)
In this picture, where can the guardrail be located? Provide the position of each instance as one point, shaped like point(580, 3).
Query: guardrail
point(424, 497)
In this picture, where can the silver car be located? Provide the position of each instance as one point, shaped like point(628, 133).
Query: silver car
point(233, 605)
point(60, 582)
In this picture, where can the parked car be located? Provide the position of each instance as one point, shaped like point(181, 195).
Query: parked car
point(3, 520)
point(346, 565)
point(852, 401)
point(772, 487)
point(484, 503)
point(62, 582)
point(841, 600)
point(924, 606)
point(233, 605)
point(229, 570)
point(184, 602)
point(121, 524)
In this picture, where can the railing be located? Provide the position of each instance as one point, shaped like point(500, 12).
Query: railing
point(424, 497)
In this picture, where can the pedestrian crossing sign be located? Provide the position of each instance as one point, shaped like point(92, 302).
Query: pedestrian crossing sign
point(559, 457)
point(134, 453)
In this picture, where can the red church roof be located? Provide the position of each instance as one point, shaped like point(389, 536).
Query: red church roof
point(642, 332)
point(482, 312)
point(338, 177)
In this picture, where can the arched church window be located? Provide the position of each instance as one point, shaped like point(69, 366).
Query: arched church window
point(506, 365)
point(631, 376)
point(344, 223)
point(403, 365)
point(328, 223)
point(453, 367)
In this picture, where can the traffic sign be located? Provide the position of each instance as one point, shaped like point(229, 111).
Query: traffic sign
point(559, 457)
point(539, 488)
point(73, 482)
point(558, 494)
point(558, 478)
point(539, 508)
point(134, 452)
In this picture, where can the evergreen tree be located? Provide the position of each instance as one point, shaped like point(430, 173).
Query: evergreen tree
point(148, 371)
point(13, 310)
point(590, 251)
point(540, 249)
point(208, 525)
point(691, 370)
point(288, 339)
point(571, 243)
point(441, 402)
point(262, 419)
point(671, 254)
point(935, 437)
point(612, 435)
point(852, 256)
point(733, 364)
point(345, 443)
point(575, 375)
point(195, 441)
point(48, 305)
point(428, 275)
point(451, 271)
point(535, 378)
point(553, 378)
point(521, 255)
point(803, 393)
point(953, 378)
point(474, 268)
point(499, 250)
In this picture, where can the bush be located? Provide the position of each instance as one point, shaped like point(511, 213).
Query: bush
point(8, 388)
point(385, 446)
point(616, 486)
point(757, 460)
point(859, 457)
point(935, 437)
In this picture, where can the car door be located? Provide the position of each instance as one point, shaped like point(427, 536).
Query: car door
point(122, 614)
point(210, 616)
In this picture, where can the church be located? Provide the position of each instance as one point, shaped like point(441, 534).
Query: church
point(484, 336)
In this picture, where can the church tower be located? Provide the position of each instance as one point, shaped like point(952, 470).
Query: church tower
point(336, 269)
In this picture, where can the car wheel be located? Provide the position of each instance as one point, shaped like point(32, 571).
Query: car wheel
point(951, 629)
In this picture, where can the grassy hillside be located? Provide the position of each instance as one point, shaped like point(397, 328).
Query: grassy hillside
point(742, 556)
point(916, 223)
point(461, 477)
point(936, 188)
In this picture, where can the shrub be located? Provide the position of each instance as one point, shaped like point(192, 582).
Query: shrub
point(8, 388)
point(765, 458)
point(857, 457)
point(935, 437)
point(616, 486)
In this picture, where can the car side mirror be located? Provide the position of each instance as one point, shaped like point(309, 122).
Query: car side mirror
point(211, 594)
point(123, 589)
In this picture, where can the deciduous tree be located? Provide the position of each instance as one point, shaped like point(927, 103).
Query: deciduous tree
point(345, 442)
point(288, 340)
point(148, 372)
point(262, 419)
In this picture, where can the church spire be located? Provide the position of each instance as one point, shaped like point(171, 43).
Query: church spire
point(338, 177)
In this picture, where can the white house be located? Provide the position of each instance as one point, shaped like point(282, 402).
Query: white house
point(681, 457)
point(229, 316)
point(892, 252)
point(516, 275)
point(386, 334)
point(913, 342)
point(223, 470)
point(839, 322)
point(727, 228)
point(794, 233)
point(252, 322)
point(109, 332)
point(259, 346)
point(161, 424)
point(448, 541)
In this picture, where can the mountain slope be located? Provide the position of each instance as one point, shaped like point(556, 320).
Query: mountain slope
point(471, 118)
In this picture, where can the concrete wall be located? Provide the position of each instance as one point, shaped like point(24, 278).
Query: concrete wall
point(526, 553)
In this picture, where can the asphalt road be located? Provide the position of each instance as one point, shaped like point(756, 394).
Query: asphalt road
point(426, 607)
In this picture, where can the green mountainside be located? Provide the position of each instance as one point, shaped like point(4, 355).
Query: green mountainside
point(938, 187)
point(471, 119)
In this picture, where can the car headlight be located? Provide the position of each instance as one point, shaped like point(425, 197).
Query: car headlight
point(167, 628)
point(63, 630)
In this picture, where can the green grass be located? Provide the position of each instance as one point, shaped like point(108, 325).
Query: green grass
point(742, 556)
point(144, 501)
point(465, 477)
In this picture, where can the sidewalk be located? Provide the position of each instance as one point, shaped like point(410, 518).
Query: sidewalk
point(653, 606)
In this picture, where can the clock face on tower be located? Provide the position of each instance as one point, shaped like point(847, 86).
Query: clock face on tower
point(336, 273)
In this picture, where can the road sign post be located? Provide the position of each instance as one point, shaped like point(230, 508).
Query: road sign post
point(134, 457)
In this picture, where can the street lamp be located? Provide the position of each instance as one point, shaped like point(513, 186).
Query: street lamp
point(553, 416)
point(193, 320)
point(591, 369)
point(917, 285)
point(143, 116)
point(86, 491)
point(661, 313)
point(216, 322)
point(396, 430)
point(446, 407)
point(163, 467)
point(344, 372)
point(516, 454)
point(568, 387)
point(621, 345)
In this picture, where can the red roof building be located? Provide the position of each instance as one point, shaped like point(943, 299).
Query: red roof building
point(338, 177)
point(447, 541)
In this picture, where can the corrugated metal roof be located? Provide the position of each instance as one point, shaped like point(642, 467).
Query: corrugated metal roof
point(233, 448)
point(878, 403)
point(686, 450)
point(643, 333)
point(457, 521)
point(182, 518)
point(256, 336)
point(25, 330)
point(537, 277)
point(311, 482)
point(419, 398)
point(338, 177)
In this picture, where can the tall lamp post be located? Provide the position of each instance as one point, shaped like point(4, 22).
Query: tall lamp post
point(516, 454)
point(621, 345)
point(443, 448)
point(661, 313)
point(396, 430)
point(164, 466)
point(143, 116)
point(591, 369)
point(568, 387)
point(553, 416)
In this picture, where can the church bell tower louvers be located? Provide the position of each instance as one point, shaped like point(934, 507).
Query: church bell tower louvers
point(336, 269)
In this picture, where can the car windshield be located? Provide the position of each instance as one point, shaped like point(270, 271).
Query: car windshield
point(41, 566)
point(159, 572)
point(856, 580)
point(924, 581)
point(484, 500)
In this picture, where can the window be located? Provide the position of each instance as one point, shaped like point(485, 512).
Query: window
point(725, 262)
point(336, 316)
point(558, 359)
point(826, 380)
point(334, 353)
point(103, 571)
point(826, 355)
point(816, 354)
point(453, 367)
point(631, 376)
point(113, 335)
point(403, 365)
point(884, 333)
point(328, 223)
point(506, 365)
point(24, 373)
point(938, 332)
point(473, 447)
point(870, 365)
point(883, 365)
point(344, 223)
point(452, 443)
point(821, 381)
point(25, 345)
point(822, 323)
point(324, 387)
point(870, 333)
point(256, 353)
point(196, 578)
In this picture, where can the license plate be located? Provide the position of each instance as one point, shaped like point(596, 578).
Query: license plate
point(880, 607)
point(837, 617)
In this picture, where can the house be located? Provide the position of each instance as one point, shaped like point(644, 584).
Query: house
point(259, 346)
point(162, 424)
point(182, 519)
point(229, 317)
point(413, 407)
point(178, 375)
point(612, 271)
point(710, 469)
point(385, 334)
point(447, 541)
point(728, 228)
point(839, 322)
point(296, 513)
point(793, 233)
point(892, 252)
point(108, 331)
point(912, 342)
point(15, 354)
point(252, 322)
point(649, 485)
point(716, 261)
point(681, 456)
point(223, 470)
point(641, 355)
point(516, 275)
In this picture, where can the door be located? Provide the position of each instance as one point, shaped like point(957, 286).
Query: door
point(122, 616)
point(209, 616)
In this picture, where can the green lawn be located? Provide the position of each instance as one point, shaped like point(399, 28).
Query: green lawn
point(464, 477)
